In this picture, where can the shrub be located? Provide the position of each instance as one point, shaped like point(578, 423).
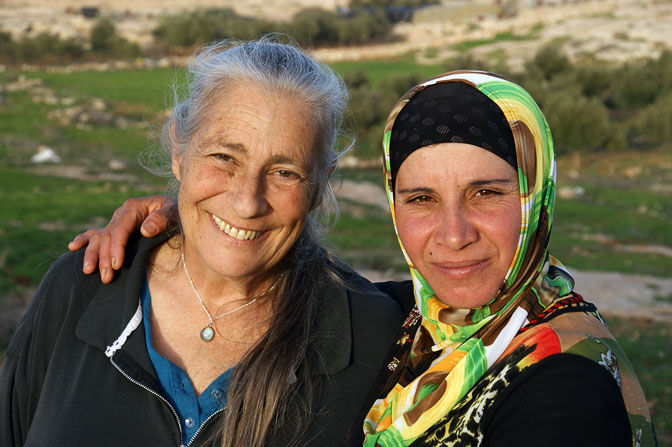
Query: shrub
point(369, 108)
point(105, 40)
point(310, 27)
point(356, 79)
point(102, 35)
point(594, 80)
point(182, 31)
point(313, 27)
point(7, 47)
point(381, 4)
point(203, 26)
point(43, 48)
point(466, 61)
point(633, 88)
point(396, 86)
point(360, 28)
point(655, 121)
point(640, 84)
point(578, 123)
point(548, 62)
point(69, 48)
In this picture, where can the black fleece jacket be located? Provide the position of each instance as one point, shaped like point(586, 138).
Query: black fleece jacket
point(65, 382)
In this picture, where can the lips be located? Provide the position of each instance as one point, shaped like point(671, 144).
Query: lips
point(237, 233)
point(461, 269)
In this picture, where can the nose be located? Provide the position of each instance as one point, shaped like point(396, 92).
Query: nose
point(456, 228)
point(247, 197)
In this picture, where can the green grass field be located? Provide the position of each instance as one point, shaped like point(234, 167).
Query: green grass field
point(42, 211)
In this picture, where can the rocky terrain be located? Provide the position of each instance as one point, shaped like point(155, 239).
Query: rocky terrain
point(610, 30)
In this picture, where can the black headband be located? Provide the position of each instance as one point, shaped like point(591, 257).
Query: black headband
point(450, 112)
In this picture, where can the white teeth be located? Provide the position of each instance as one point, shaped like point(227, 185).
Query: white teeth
point(242, 235)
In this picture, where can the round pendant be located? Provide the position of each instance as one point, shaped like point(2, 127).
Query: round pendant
point(207, 333)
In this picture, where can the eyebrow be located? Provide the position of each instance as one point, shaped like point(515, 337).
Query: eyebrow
point(427, 189)
point(236, 147)
point(282, 159)
point(242, 149)
point(424, 189)
point(491, 181)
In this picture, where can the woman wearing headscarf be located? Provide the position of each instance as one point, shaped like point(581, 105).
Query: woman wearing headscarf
point(502, 351)
point(498, 349)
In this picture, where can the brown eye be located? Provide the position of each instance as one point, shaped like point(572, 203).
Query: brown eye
point(222, 157)
point(485, 192)
point(285, 177)
point(420, 199)
point(287, 174)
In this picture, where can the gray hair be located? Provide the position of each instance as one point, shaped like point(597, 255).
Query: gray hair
point(278, 67)
point(285, 358)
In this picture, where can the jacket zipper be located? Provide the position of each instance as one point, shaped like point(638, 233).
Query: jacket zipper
point(203, 424)
point(177, 418)
point(172, 409)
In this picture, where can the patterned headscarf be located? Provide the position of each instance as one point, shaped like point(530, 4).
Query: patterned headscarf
point(454, 347)
point(450, 112)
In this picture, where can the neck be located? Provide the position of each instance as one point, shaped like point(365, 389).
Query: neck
point(216, 290)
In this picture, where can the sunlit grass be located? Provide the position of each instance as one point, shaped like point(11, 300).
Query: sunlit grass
point(42, 213)
point(380, 69)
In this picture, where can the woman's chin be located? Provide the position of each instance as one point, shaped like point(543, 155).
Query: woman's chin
point(462, 296)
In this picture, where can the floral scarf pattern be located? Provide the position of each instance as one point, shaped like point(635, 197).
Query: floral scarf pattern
point(454, 348)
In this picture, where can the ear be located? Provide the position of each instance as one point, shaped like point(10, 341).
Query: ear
point(176, 156)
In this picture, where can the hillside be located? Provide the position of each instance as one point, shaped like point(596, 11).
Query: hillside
point(610, 30)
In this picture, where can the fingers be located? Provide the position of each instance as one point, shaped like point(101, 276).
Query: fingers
point(105, 260)
point(159, 219)
point(153, 213)
point(105, 248)
point(80, 241)
point(91, 240)
point(115, 236)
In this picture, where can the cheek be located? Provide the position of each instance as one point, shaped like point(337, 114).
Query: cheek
point(291, 205)
point(412, 232)
point(508, 239)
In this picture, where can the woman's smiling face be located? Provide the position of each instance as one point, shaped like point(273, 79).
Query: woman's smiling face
point(457, 210)
point(245, 182)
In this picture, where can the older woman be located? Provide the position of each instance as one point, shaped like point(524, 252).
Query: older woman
point(498, 348)
point(234, 328)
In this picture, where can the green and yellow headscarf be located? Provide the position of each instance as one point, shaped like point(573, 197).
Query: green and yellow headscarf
point(469, 341)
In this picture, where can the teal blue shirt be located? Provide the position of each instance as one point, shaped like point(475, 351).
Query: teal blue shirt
point(177, 387)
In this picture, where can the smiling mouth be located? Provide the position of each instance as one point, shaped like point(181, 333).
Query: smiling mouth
point(241, 235)
point(461, 269)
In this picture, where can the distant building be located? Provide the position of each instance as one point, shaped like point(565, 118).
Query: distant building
point(90, 12)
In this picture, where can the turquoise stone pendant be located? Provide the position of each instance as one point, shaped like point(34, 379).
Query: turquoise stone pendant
point(207, 333)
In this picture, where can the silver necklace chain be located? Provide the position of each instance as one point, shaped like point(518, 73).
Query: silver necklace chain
point(207, 333)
